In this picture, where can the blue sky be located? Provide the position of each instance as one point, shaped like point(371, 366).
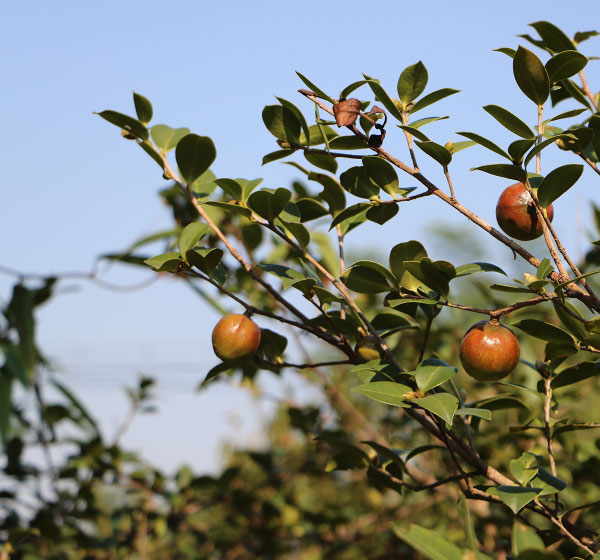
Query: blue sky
point(73, 189)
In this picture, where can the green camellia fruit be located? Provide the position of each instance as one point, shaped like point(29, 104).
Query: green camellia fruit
point(368, 348)
point(235, 336)
point(516, 215)
point(489, 351)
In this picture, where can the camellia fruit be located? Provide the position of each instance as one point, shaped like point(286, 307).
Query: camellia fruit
point(235, 336)
point(489, 351)
point(368, 348)
point(516, 215)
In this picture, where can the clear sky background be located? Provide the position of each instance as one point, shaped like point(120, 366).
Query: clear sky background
point(73, 189)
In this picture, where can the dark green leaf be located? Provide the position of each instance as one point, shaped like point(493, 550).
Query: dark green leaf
point(332, 193)
point(582, 36)
point(412, 82)
point(151, 151)
point(422, 122)
point(165, 137)
point(443, 405)
point(352, 87)
point(429, 543)
point(382, 96)
point(576, 373)
point(323, 161)
point(231, 187)
point(6, 382)
point(269, 204)
point(298, 114)
point(429, 377)
point(205, 260)
point(282, 123)
point(548, 483)
point(356, 181)
point(230, 207)
point(21, 316)
point(573, 90)
point(482, 413)
point(365, 280)
point(594, 124)
point(274, 156)
point(194, 155)
point(541, 555)
point(531, 76)
point(566, 115)
point(474, 268)
point(575, 428)
point(381, 173)
point(314, 88)
point(510, 289)
point(382, 213)
point(143, 108)
point(557, 182)
point(524, 468)
point(436, 151)
point(524, 538)
point(167, 262)
point(414, 132)
point(191, 234)
point(347, 143)
point(429, 275)
point(507, 51)
point(272, 344)
point(125, 122)
point(310, 209)
point(544, 331)
point(509, 121)
point(539, 147)
point(318, 133)
point(516, 497)
point(485, 143)
point(554, 38)
point(518, 149)
point(399, 255)
point(565, 64)
point(504, 170)
point(299, 231)
point(350, 212)
point(386, 392)
point(432, 98)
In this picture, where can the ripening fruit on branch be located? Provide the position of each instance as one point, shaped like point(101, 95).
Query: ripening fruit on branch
point(235, 336)
point(368, 348)
point(516, 215)
point(489, 351)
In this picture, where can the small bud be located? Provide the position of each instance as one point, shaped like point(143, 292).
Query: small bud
point(529, 278)
point(449, 146)
point(127, 135)
point(284, 145)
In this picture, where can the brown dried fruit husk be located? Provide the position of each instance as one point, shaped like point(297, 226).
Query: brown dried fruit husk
point(346, 112)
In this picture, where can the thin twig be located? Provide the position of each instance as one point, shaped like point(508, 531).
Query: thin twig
point(587, 90)
point(340, 237)
point(449, 180)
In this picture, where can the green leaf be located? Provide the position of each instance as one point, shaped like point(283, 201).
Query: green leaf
point(272, 344)
point(554, 38)
point(436, 151)
point(382, 213)
point(429, 275)
point(558, 182)
point(582, 36)
point(422, 122)
point(504, 170)
point(524, 538)
point(576, 278)
point(574, 428)
point(516, 497)
point(432, 98)
point(549, 484)
point(485, 143)
point(565, 64)
point(143, 108)
point(274, 156)
point(443, 405)
point(531, 76)
point(518, 149)
point(465, 515)
point(269, 204)
point(6, 382)
point(412, 82)
point(524, 468)
point(414, 132)
point(566, 115)
point(194, 155)
point(475, 267)
point(350, 212)
point(399, 255)
point(509, 121)
point(323, 161)
point(576, 373)
point(76, 403)
point(191, 234)
point(392, 319)
point(356, 181)
point(165, 137)
point(429, 543)
point(386, 392)
point(347, 143)
point(299, 231)
point(231, 187)
point(282, 123)
point(510, 289)
point(314, 88)
point(151, 151)
point(507, 51)
point(230, 207)
point(382, 96)
point(352, 87)
point(594, 124)
point(167, 262)
point(381, 173)
point(541, 555)
point(377, 269)
point(21, 316)
point(544, 331)
point(482, 413)
point(429, 377)
point(544, 269)
point(539, 147)
point(310, 209)
point(125, 122)
point(298, 114)
point(318, 133)
point(205, 260)
point(333, 192)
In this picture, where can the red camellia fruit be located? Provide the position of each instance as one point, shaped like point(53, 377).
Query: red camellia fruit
point(489, 351)
point(516, 215)
point(235, 336)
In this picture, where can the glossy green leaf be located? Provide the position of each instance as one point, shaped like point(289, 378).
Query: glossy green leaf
point(318, 134)
point(571, 89)
point(310, 209)
point(382, 96)
point(524, 468)
point(333, 192)
point(435, 275)
point(519, 148)
point(298, 114)
point(510, 289)
point(287, 275)
point(429, 377)
point(412, 82)
point(554, 38)
point(436, 151)
point(509, 121)
point(382, 173)
point(125, 122)
point(314, 88)
point(565, 64)
point(594, 124)
point(544, 269)
point(549, 484)
point(231, 207)
point(194, 155)
point(352, 87)
point(167, 262)
point(381, 213)
point(205, 260)
point(443, 405)
point(504, 170)
point(391, 318)
point(576, 373)
point(356, 181)
point(524, 538)
point(347, 143)
point(385, 392)
point(282, 123)
point(558, 182)
point(399, 255)
point(299, 231)
point(539, 147)
point(272, 344)
point(544, 331)
point(476, 267)
point(323, 161)
point(190, 235)
point(482, 413)
point(350, 212)
point(485, 143)
point(165, 137)
point(414, 132)
point(151, 151)
point(432, 98)
point(516, 497)
point(231, 187)
point(531, 75)
point(429, 543)
point(422, 122)
point(269, 204)
point(566, 115)
point(507, 51)
point(143, 108)
point(365, 280)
